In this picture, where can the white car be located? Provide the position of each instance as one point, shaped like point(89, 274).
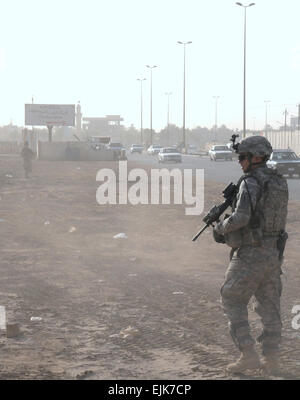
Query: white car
point(169, 154)
point(220, 152)
point(154, 149)
point(136, 148)
point(191, 149)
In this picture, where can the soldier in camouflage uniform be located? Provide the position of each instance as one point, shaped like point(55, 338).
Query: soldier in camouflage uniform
point(253, 231)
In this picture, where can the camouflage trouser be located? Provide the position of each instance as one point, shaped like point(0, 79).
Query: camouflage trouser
point(253, 271)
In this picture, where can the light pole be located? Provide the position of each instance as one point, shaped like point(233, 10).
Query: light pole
point(245, 20)
point(151, 68)
point(141, 80)
point(32, 137)
point(266, 128)
point(168, 115)
point(183, 125)
point(285, 113)
point(216, 115)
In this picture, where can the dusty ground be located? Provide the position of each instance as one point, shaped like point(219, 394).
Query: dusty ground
point(87, 287)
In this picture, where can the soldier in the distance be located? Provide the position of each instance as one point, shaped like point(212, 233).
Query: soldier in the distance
point(28, 155)
point(256, 233)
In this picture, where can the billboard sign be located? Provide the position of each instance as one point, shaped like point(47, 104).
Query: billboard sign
point(50, 114)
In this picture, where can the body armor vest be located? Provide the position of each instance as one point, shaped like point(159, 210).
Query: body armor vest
point(268, 216)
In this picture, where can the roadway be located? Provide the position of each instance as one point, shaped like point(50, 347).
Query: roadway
point(217, 171)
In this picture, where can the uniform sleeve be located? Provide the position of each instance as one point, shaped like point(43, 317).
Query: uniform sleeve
point(242, 213)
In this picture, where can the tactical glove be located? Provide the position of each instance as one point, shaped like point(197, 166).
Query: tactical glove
point(217, 236)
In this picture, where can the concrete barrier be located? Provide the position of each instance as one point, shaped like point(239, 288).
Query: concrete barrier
point(10, 148)
point(284, 140)
point(72, 151)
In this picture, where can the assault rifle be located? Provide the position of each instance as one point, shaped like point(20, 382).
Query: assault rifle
point(214, 214)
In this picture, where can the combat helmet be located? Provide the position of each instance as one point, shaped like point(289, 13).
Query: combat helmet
point(255, 145)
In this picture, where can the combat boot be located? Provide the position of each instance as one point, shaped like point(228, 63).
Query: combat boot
point(248, 360)
point(270, 364)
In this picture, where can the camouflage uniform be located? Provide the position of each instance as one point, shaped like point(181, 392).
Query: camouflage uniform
point(259, 213)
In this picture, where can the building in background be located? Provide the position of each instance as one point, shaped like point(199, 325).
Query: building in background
point(78, 117)
point(294, 121)
point(110, 125)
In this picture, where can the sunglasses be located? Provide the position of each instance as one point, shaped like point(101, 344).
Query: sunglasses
point(242, 157)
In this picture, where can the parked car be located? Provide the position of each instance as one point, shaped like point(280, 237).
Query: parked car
point(169, 154)
point(119, 151)
point(191, 149)
point(136, 148)
point(286, 162)
point(154, 149)
point(98, 142)
point(220, 152)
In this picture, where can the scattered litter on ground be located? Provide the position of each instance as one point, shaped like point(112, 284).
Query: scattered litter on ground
point(130, 331)
point(132, 274)
point(101, 280)
point(72, 229)
point(9, 176)
point(47, 223)
point(12, 330)
point(132, 259)
point(34, 319)
point(178, 292)
point(84, 374)
point(114, 335)
point(120, 236)
point(78, 168)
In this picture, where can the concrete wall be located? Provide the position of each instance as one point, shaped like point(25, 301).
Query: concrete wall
point(284, 140)
point(56, 151)
point(10, 148)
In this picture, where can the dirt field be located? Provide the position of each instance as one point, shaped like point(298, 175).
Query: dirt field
point(59, 262)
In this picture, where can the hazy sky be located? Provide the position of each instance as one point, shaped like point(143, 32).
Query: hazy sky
point(62, 51)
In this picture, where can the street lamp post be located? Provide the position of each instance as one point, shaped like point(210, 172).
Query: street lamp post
point(266, 127)
point(141, 80)
point(285, 116)
point(183, 125)
point(245, 20)
point(151, 67)
point(216, 115)
point(168, 116)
